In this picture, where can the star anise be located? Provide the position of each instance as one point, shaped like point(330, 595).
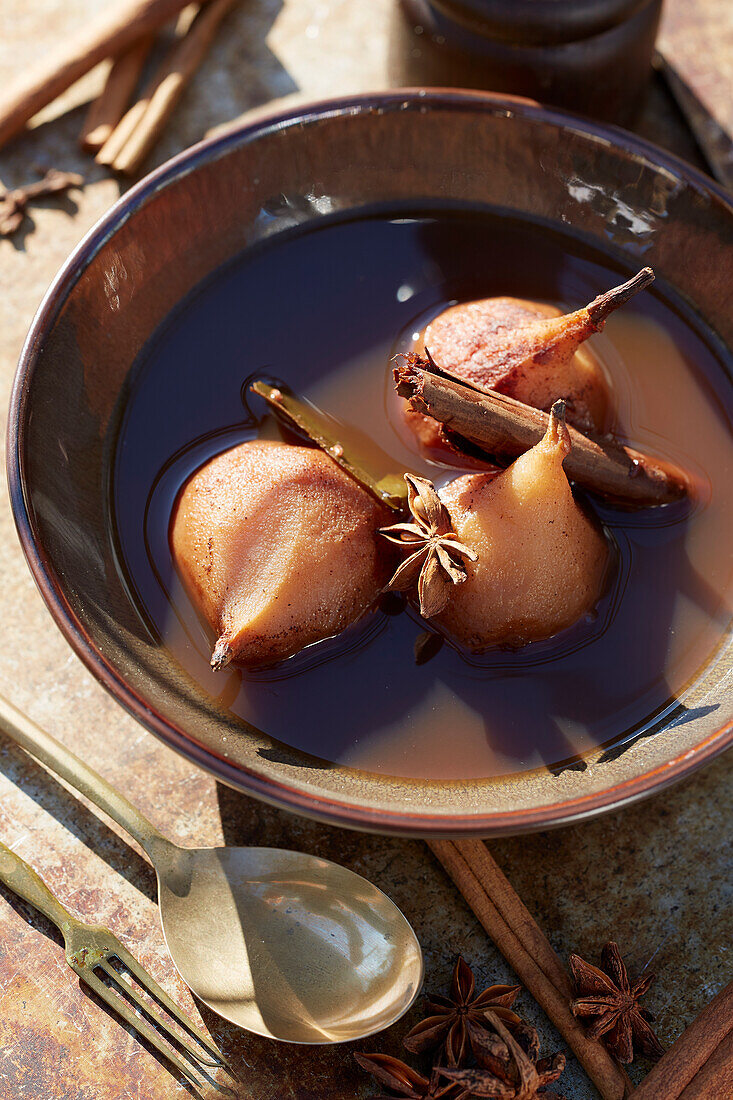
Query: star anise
point(608, 994)
point(435, 562)
point(509, 1068)
point(454, 1022)
point(407, 1082)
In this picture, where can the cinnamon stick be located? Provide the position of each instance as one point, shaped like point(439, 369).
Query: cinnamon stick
point(714, 1081)
point(702, 1045)
point(515, 913)
point(167, 88)
point(125, 128)
point(108, 108)
point(116, 28)
point(518, 946)
point(505, 428)
point(127, 125)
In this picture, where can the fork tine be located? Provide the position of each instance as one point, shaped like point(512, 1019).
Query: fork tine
point(141, 1025)
point(152, 1010)
point(147, 981)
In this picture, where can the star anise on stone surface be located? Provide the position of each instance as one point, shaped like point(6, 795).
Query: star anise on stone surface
point(608, 994)
point(403, 1080)
point(453, 1022)
point(509, 1067)
point(437, 552)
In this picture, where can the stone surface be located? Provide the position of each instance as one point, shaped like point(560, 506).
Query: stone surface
point(653, 875)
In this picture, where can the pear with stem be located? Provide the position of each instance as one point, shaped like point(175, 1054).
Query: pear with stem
point(541, 559)
point(526, 350)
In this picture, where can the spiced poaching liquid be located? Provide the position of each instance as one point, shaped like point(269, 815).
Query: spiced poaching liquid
point(323, 310)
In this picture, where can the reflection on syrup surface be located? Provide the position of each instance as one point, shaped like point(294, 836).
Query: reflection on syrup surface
point(323, 310)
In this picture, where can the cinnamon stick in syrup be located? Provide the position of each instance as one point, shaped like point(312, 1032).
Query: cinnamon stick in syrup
point(505, 428)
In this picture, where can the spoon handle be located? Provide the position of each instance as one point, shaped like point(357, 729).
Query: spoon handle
point(45, 748)
point(19, 877)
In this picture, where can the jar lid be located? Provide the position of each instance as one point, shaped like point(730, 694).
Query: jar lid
point(539, 22)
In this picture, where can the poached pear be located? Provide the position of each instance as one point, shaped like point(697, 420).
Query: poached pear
point(541, 560)
point(276, 546)
point(526, 350)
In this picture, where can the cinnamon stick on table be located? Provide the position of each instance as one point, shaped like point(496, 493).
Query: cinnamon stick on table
point(130, 143)
point(505, 428)
point(699, 1066)
point(117, 27)
point(110, 105)
point(132, 118)
point(520, 940)
point(714, 1080)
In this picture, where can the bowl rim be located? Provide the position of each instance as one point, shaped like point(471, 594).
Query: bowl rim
point(327, 809)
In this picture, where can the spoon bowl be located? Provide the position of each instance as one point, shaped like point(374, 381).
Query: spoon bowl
point(285, 944)
point(281, 943)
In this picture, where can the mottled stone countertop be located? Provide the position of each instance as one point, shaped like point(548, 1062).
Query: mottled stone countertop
point(654, 875)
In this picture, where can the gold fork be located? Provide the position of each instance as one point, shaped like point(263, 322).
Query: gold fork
point(91, 948)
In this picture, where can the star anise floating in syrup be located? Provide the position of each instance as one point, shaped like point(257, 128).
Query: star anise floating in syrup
point(607, 994)
point(454, 1022)
point(436, 559)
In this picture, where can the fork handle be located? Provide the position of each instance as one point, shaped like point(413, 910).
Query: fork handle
point(20, 877)
point(42, 746)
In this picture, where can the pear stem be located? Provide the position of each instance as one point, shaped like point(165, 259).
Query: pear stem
point(221, 656)
point(557, 429)
point(604, 304)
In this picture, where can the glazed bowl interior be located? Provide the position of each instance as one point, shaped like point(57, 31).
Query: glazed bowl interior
point(167, 235)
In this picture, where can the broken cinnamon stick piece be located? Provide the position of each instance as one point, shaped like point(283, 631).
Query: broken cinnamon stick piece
point(108, 108)
point(505, 428)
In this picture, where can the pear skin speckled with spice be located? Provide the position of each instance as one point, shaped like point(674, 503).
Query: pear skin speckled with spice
point(527, 350)
point(276, 546)
point(541, 559)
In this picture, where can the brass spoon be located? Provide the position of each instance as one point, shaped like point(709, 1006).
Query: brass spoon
point(281, 943)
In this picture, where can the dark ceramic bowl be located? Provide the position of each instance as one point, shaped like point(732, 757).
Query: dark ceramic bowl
point(206, 206)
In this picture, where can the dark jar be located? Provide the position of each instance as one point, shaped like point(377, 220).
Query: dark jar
point(592, 56)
